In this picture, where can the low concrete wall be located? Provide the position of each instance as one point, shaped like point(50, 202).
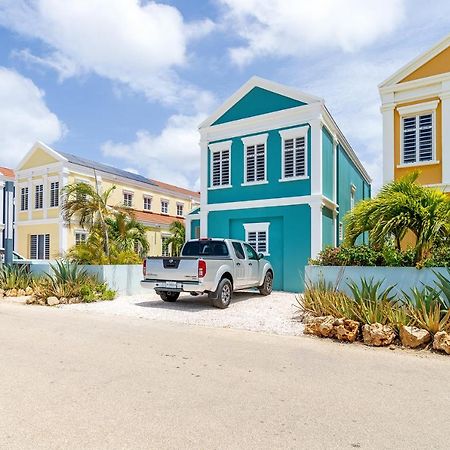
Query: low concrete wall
point(404, 278)
point(125, 279)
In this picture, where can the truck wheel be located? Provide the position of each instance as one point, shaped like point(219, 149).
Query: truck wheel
point(222, 297)
point(168, 296)
point(266, 287)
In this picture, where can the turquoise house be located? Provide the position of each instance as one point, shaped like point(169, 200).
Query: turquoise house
point(277, 172)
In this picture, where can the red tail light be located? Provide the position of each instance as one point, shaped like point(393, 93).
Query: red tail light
point(201, 268)
point(144, 267)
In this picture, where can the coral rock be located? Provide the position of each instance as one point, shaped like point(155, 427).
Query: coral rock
point(413, 337)
point(442, 342)
point(29, 291)
point(320, 326)
point(63, 300)
point(11, 293)
point(346, 330)
point(73, 300)
point(378, 335)
point(2, 293)
point(21, 293)
point(52, 301)
point(31, 299)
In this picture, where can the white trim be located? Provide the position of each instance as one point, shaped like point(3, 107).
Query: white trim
point(418, 108)
point(255, 140)
point(29, 223)
point(219, 147)
point(388, 142)
point(316, 157)
point(203, 186)
point(445, 135)
point(264, 84)
point(258, 227)
point(316, 228)
point(40, 145)
point(62, 225)
point(294, 133)
point(417, 164)
point(417, 62)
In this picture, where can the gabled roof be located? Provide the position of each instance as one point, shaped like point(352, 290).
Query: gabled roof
point(8, 173)
point(152, 218)
point(413, 65)
point(258, 82)
point(174, 188)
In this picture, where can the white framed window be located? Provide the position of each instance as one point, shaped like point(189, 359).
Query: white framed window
point(180, 208)
point(39, 246)
point(147, 203)
point(24, 199)
point(352, 196)
point(294, 145)
point(80, 237)
point(39, 196)
point(164, 206)
point(220, 164)
point(54, 194)
point(128, 199)
point(257, 235)
point(165, 245)
point(418, 133)
point(255, 159)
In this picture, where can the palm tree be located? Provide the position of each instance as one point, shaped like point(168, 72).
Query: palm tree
point(178, 237)
point(90, 207)
point(127, 233)
point(402, 206)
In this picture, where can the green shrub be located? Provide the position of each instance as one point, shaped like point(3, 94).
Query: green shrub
point(14, 277)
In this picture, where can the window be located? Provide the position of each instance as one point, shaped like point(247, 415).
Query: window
point(128, 199)
point(352, 196)
point(205, 247)
point(251, 254)
point(54, 194)
point(147, 203)
point(24, 199)
point(238, 250)
point(39, 196)
point(255, 159)
point(40, 246)
point(180, 209)
point(257, 235)
point(80, 237)
point(294, 153)
point(164, 206)
point(341, 231)
point(417, 133)
point(220, 168)
point(165, 246)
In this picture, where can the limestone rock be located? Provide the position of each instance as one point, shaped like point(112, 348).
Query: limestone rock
point(63, 300)
point(31, 299)
point(11, 293)
point(346, 329)
point(413, 337)
point(320, 326)
point(52, 301)
point(29, 291)
point(73, 300)
point(378, 335)
point(442, 342)
point(21, 293)
point(2, 293)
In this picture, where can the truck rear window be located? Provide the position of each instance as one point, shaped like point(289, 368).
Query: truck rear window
point(205, 248)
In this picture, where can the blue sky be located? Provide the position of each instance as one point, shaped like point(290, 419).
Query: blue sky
point(127, 82)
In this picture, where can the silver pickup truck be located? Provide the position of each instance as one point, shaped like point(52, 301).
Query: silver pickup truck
point(216, 267)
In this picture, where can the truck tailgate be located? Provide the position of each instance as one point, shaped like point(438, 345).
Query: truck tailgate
point(172, 269)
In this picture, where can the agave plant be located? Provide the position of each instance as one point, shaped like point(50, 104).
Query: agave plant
point(67, 272)
point(14, 277)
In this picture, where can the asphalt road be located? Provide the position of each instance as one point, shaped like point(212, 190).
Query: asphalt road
point(73, 380)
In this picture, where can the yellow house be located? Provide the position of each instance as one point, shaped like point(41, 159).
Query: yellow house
point(416, 118)
point(41, 232)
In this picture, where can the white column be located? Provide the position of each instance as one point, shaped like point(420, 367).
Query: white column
point(63, 227)
point(316, 227)
point(2, 184)
point(388, 142)
point(335, 174)
point(335, 228)
point(445, 126)
point(204, 187)
point(188, 225)
point(316, 156)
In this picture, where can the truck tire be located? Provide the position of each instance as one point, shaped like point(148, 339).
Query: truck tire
point(169, 296)
point(267, 286)
point(222, 297)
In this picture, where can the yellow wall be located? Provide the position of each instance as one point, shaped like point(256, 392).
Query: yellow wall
point(435, 66)
point(429, 174)
point(38, 159)
point(23, 238)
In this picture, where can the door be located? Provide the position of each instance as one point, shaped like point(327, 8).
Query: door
point(240, 265)
point(252, 265)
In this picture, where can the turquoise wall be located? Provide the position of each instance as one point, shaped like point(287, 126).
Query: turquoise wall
point(257, 101)
point(289, 238)
point(273, 189)
point(327, 164)
point(327, 228)
point(195, 224)
point(348, 174)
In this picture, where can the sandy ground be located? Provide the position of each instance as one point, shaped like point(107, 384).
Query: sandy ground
point(248, 311)
point(71, 380)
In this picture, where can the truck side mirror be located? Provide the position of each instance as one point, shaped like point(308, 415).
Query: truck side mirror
point(260, 256)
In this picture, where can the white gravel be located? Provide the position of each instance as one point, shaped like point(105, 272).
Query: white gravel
point(248, 311)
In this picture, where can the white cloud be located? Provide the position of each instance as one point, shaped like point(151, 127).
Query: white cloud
point(298, 27)
point(128, 41)
point(24, 117)
point(172, 156)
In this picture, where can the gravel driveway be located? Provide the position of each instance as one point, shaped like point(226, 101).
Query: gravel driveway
point(248, 311)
